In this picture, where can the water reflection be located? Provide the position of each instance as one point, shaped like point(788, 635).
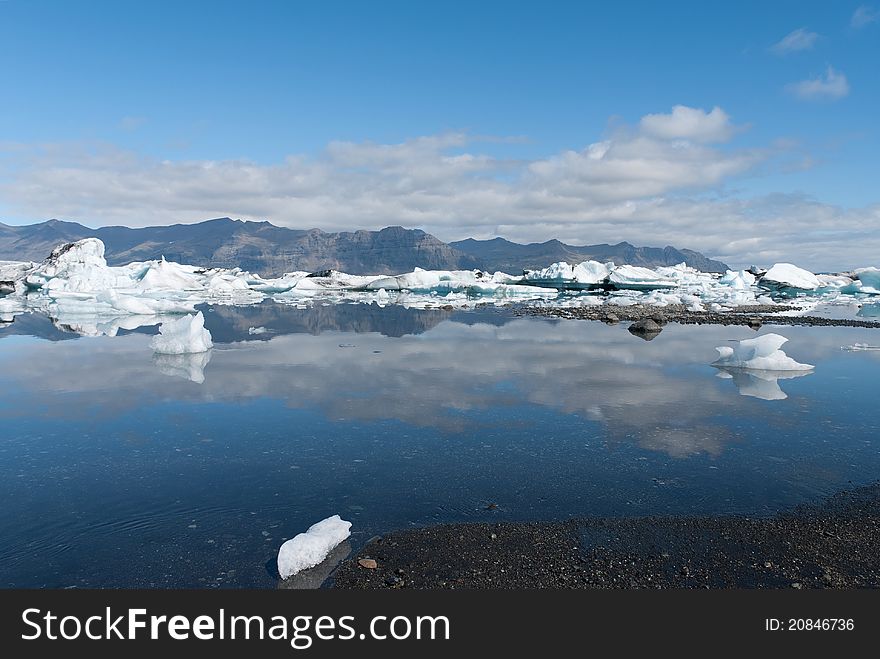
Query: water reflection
point(422, 367)
point(759, 383)
point(190, 366)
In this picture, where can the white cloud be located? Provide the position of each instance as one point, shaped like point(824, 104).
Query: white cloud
point(797, 40)
point(833, 85)
point(864, 16)
point(686, 123)
point(653, 184)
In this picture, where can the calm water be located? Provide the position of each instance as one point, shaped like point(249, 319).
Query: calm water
point(125, 469)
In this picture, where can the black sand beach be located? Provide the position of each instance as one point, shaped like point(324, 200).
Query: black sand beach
point(829, 545)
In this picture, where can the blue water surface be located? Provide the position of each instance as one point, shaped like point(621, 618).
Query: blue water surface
point(122, 468)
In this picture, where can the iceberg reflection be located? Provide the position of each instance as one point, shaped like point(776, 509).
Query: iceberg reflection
point(189, 366)
point(759, 383)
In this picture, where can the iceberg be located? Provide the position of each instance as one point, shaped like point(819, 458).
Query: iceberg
point(310, 548)
point(638, 278)
point(787, 275)
point(870, 280)
point(77, 288)
point(182, 336)
point(761, 353)
point(739, 280)
point(832, 282)
point(587, 274)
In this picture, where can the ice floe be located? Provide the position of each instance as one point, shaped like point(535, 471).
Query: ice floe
point(790, 276)
point(310, 548)
point(761, 354)
point(869, 278)
point(860, 347)
point(182, 336)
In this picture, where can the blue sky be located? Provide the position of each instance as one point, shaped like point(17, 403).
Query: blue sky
point(103, 102)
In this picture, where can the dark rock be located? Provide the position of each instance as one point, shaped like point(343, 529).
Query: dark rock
point(645, 328)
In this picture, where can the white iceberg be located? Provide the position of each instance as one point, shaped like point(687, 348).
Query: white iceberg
point(739, 280)
point(637, 278)
point(585, 274)
point(182, 336)
point(791, 276)
point(310, 548)
point(77, 288)
point(761, 353)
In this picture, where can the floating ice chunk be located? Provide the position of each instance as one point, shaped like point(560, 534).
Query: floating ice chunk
point(761, 353)
point(835, 281)
point(870, 278)
point(182, 336)
point(637, 278)
point(257, 330)
point(418, 281)
point(310, 548)
point(586, 273)
point(791, 276)
point(740, 280)
point(138, 304)
point(860, 347)
point(162, 275)
point(77, 267)
point(12, 275)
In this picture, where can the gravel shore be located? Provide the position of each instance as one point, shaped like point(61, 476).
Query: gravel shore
point(830, 545)
point(753, 316)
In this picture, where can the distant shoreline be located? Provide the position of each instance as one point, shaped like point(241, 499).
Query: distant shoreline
point(831, 544)
point(753, 316)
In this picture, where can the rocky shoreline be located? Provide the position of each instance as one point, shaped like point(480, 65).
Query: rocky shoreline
point(753, 316)
point(828, 545)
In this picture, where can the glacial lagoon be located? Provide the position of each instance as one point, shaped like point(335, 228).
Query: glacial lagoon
point(125, 468)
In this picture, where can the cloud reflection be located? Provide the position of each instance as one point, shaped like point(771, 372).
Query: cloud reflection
point(660, 395)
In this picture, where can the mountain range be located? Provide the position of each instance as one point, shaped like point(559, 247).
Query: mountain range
point(270, 250)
